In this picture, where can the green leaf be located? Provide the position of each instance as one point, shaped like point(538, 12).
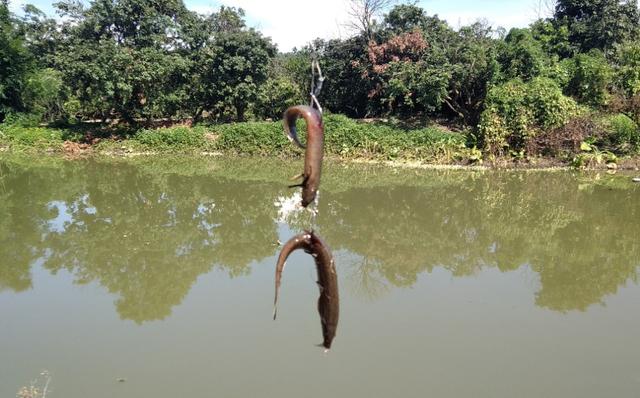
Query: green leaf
point(586, 147)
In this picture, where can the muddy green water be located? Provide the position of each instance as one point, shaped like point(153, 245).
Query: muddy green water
point(453, 284)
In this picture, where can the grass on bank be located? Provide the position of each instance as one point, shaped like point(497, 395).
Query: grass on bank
point(606, 137)
point(344, 137)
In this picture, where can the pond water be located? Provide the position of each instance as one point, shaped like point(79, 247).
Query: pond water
point(155, 278)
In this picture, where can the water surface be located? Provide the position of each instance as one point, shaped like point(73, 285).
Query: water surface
point(453, 283)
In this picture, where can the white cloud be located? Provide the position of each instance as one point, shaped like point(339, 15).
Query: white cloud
point(294, 23)
point(505, 20)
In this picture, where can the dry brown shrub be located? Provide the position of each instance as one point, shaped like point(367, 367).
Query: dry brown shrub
point(564, 139)
point(71, 148)
point(406, 47)
point(630, 106)
point(90, 138)
point(617, 103)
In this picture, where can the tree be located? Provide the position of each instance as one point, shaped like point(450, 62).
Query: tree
point(406, 74)
point(344, 63)
point(591, 78)
point(599, 24)
point(123, 57)
point(627, 64)
point(553, 37)
point(237, 64)
point(42, 36)
point(464, 61)
point(472, 61)
point(15, 63)
point(405, 18)
point(281, 90)
point(522, 56)
point(229, 67)
point(227, 20)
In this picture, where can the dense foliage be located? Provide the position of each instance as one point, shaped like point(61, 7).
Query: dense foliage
point(517, 111)
point(570, 77)
point(15, 63)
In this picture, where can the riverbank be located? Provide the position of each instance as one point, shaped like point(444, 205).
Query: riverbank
point(380, 142)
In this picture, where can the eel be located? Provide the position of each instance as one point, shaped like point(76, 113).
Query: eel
point(314, 150)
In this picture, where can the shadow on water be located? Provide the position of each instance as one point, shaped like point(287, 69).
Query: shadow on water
point(147, 229)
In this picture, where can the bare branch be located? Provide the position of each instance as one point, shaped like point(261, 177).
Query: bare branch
point(544, 8)
point(363, 14)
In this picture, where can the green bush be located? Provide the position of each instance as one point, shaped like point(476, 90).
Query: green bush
point(256, 138)
point(515, 112)
point(42, 94)
point(343, 136)
point(370, 139)
point(623, 133)
point(181, 137)
point(275, 96)
point(522, 56)
point(627, 75)
point(591, 78)
point(21, 136)
point(22, 120)
point(560, 72)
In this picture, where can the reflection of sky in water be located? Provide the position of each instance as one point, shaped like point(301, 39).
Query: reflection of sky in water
point(65, 213)
point(203, 211)
point(183, 250)
point(62, 219)
point(173, 219)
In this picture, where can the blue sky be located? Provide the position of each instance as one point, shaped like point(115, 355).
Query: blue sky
point(293, 23)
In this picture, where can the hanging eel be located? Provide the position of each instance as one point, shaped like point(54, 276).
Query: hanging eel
point(314, 151)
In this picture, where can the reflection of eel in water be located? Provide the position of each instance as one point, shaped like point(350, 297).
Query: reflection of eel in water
point(314, 149)
point(328, 302)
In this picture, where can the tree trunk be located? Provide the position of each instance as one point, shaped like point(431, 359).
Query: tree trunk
point(240, 110)
point(197, 117)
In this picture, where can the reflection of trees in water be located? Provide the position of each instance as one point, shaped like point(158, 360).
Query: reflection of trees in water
point(592, 256)
point(364, 277)
point(145, 238)
point(19, 233)
point(581, 243)
point(15, 274)
point(146, 232)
